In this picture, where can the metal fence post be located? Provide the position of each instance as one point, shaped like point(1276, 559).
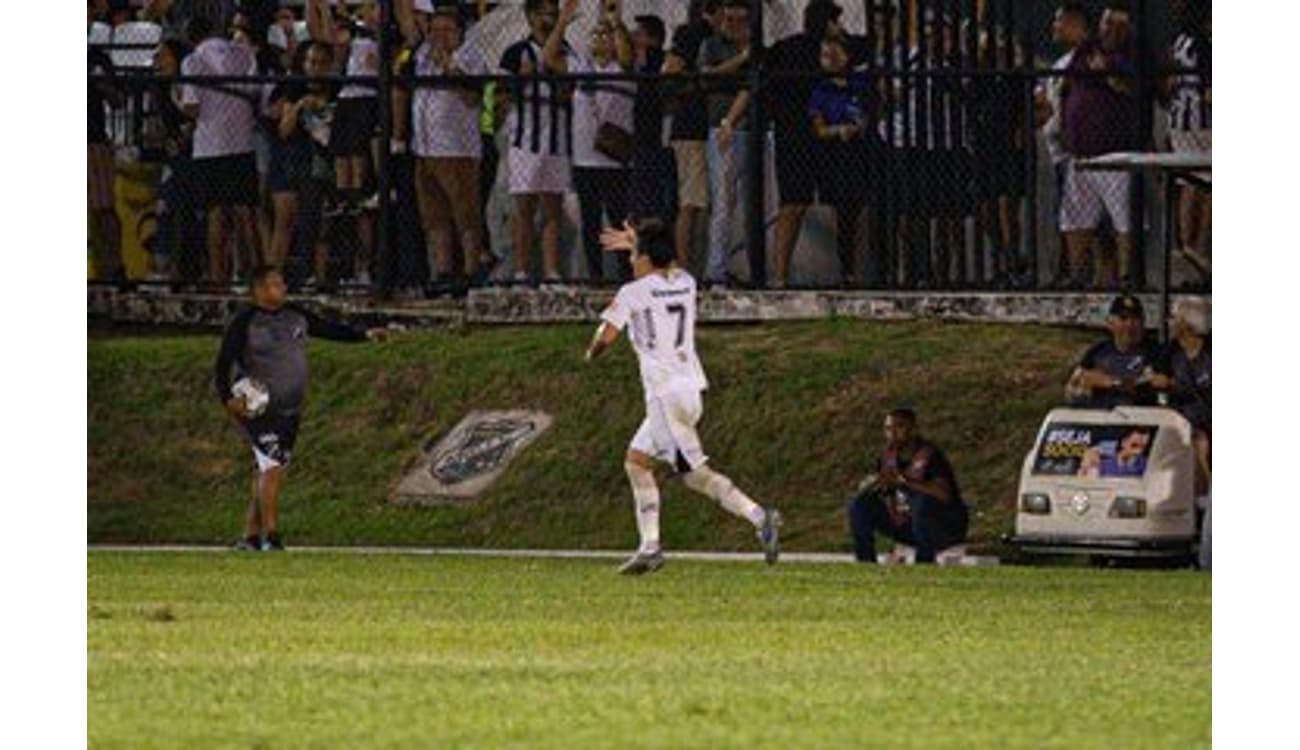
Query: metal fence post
point(385, 256)
point(756, 220)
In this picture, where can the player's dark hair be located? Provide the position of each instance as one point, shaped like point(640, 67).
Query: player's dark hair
point(533, 6)
point(737, 4)
point(266, 269)
point(652, 241)
point(905, 413)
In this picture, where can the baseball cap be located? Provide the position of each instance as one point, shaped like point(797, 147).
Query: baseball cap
point(424, 6)
point(1126, 306)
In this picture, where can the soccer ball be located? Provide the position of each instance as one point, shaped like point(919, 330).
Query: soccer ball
point(255, 394)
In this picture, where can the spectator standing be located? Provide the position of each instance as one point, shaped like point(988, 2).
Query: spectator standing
point(934, 163)
point(1069, 32)
point(224, 164)
point(1119, 371)
point(101, 200)
point(295, 109)
point(653, 180)
point(448, 147)
point(794, 63)
point(689, 133)
point(600, 173)
point(998, 143)
point(540, 141)
point(1189, 124)
point(302, 172)
point(178, 237)
point(913, 497)
point(353, 135)
point(841, 110)
point(1099, 117)
point(726, 54)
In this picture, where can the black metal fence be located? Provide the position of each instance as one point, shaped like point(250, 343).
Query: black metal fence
point(930, 149)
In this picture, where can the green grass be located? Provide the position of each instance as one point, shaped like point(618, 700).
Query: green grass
point(793, 416)
point(338, 650)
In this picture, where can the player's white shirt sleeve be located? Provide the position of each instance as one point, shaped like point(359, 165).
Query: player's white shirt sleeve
point(660, 312)
point(618, 312)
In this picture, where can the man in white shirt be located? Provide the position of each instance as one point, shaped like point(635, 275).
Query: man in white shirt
point(660, 307)
point(223, 161)
point(446, 142)
point(540, 138)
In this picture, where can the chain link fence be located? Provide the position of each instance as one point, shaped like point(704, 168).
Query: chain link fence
point(415, 149)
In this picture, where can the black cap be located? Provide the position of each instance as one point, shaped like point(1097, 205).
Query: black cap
point(1127, 306)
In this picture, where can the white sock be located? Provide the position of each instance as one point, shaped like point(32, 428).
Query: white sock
point(645, 496)
point(708, 482)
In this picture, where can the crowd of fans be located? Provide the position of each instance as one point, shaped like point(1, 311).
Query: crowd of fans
point(917, 134)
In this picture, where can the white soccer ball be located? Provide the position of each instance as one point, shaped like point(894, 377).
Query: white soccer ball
point(255, 394)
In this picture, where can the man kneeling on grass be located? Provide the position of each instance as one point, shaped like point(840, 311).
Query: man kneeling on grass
point(913, 498)
point(267, 343)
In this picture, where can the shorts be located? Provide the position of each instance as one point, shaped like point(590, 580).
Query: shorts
point(355, 123)
point(850, 183)
point(272, 436)
point(447, 191)
point(668, 431)
point(226, 180)
point(531, 173)
point(692, 174)
point(797, 169)
point(99, 177)
point(1086, 193)
point(289, 169)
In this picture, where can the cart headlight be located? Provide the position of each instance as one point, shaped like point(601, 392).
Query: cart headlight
point(1035, 503)
point(1128, 507)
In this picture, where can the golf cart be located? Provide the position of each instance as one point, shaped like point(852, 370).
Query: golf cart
point(1115, 483)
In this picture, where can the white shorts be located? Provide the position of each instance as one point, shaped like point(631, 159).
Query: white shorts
point(537, 173)
point(668, 431)
point(1085, 193)
point(1190, 141)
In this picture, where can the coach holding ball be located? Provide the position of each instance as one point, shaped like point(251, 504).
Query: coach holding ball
point(261, 378)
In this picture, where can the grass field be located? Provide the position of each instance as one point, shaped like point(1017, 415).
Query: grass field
point(345, 650)
point(793, 415)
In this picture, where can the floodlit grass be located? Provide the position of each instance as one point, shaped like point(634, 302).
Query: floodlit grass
point(793, 416)
point(340, 650)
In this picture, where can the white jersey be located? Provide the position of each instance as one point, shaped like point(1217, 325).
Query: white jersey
point(661, 310)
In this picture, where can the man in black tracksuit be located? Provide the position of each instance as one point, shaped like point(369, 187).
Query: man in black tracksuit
point(267, 341)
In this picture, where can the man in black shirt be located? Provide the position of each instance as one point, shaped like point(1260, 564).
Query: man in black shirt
point(793, 63)
point(913, 498)
point(690, 124)
point(652, 162)
point(267, 342)
point(1119, 370)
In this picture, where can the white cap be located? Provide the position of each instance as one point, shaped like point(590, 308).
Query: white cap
point(424, 6)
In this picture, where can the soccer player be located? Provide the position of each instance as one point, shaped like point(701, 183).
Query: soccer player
point(267, 341)
point(660, 306)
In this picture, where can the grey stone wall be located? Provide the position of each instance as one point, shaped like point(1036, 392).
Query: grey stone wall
point(524, 306)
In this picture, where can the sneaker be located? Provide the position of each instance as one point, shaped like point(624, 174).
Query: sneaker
point(642, 562)
point(273, 543)
point(249, 544)
point(770, 535)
